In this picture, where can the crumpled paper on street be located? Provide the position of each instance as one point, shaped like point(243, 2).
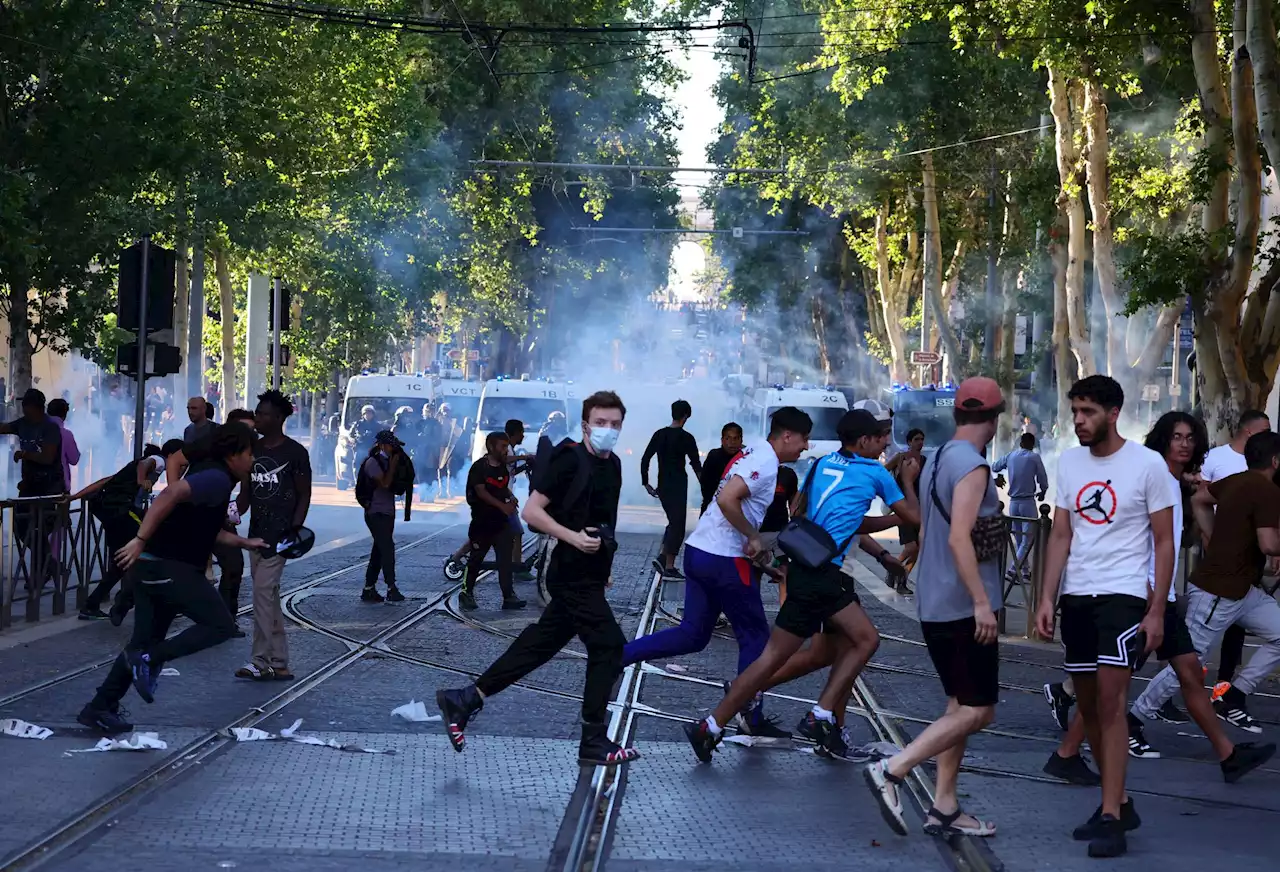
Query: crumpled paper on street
point(22, 730)
point(132, 742)
point(290, 734)
point(867, 753)
point(756, 741)
point(675, 667)
point(415, 712)
point(169, 672)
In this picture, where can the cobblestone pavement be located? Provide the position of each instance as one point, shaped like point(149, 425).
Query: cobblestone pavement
point(517, 800)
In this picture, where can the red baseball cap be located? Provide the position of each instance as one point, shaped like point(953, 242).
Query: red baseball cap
point(979, 394)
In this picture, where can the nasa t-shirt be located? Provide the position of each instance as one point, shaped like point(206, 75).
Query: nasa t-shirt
point(757, 465)
point(1110, 501)
point(275, 496)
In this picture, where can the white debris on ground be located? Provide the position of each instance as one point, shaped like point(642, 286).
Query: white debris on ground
point(414, 711)
point(290, 734)
point(22, 730)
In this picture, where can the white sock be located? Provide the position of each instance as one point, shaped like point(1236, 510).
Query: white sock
point(712, 727)
point(822, 714)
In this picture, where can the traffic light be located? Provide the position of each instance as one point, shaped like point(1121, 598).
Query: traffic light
point(161, 359)
point(162, 264)
point(284, 310)
point(284, 352)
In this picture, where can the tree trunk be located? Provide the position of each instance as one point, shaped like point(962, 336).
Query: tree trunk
point(933, 275)
point(1008, 371)
point(893, 312)
point(227, 311)
point(819, 318)
point(181, 317)
point(1063, 361)
point(1266, 69)
point(20, 349)
point(1098, 175)
point(1070, 204)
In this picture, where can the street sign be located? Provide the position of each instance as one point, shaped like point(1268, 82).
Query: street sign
point(473, 354)
point(1175, 390)
point(1150, 393)
point(455, 354)
point(925, 358)
point(1186, 337)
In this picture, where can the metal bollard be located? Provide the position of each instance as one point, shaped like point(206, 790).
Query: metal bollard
point(1043, 526)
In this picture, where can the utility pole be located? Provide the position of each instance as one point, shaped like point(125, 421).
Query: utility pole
point(277, 360)
point(989, 332)
point(140, 400)
point(195, 320)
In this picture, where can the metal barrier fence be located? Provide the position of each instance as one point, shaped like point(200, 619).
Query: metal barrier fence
point(49, 548)
point(1026, 571)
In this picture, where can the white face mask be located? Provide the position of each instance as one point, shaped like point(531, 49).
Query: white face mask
point(603, 438)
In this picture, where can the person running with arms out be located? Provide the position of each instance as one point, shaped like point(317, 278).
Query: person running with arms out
point(278, 497)
point(672, 445)
point(1113, 508)
point(575, 502)
point(908, 535)
point(167, 559)
point(837, 493)
point(374, 493)
point(718, 460)
point(718, 558)
point(1028, 482)
point(957, 594)
point(492, 507)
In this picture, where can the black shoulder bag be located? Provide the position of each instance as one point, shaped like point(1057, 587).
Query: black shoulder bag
point(990, 534)
point(806, 542)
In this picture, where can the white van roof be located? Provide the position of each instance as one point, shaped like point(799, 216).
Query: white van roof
point(800, 397)
point(376, 385)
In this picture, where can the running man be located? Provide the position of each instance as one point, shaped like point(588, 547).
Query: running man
point(837, 493)
point(958, 596)
point(718, 558)
point(1113, 508)
point(672, 445)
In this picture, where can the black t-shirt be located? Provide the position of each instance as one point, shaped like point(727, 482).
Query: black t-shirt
point(604, 487)
point(39, 479)
point(496, 482)
point(778, 514)
point(274, 481)
point(188, 533)
point(672, 445)
point(712, 471)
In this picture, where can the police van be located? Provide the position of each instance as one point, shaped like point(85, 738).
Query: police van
point(825, 406)
point(384, 393)
point(524, 399)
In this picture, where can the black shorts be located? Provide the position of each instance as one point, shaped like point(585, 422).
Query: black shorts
point(813, 596)
point(1101, 631)
point(970, 672)
point(908, 534)
point(1177, 638)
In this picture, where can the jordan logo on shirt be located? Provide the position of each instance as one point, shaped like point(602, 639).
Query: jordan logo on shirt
point(1096, 502)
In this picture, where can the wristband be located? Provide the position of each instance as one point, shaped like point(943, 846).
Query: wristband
point(882, 555)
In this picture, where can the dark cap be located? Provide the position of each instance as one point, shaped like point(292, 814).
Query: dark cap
point(386, 437)
point(979, 394)
point(33, 397)
point(857, 423)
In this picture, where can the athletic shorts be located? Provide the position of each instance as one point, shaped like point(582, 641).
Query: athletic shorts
point(1177, 638)
point(1101, 631)
point(908, 534)
point(813, 596)
point(970, 672)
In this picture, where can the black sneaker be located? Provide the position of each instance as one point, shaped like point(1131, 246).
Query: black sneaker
point(813, 728)
point(834, 747)
point(1072, 770)
point(119, 608)
point(1244, 759)
point(1091, 829)
point(673, 574)
point(1060, 703)
point(1138, 745)
point(755, 723)
point(238, 632)
point(371, 595)
point(1231, 707)
point(106, 721)
point(394, 595)
point(597, 749)
point(513, 604)
point(699, 735)
point(144, 678)
point(467, 602)
point(1171, 714)
point(457, 707)
point(93, 615)
point(1109, 839)
point(524, 575)
point(659, 567)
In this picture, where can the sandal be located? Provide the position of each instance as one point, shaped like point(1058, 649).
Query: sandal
point(282, 674)
point(254, 672)
point(947, 825)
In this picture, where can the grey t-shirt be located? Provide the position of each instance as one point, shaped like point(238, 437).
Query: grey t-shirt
point(196, 432)
point(940, 594)
point(383, 501)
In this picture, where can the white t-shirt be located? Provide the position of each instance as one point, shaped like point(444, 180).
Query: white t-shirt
point(1221, 462)
point(1110, 500)
point(1176, 487)
point(757, 465)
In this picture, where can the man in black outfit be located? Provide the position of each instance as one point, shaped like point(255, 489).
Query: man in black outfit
point(576, 502)
point(718, 460)
point(492, 508)
point(167, 560)
point(672, 445)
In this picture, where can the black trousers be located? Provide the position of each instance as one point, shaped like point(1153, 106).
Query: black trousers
point(1232, 652)
point(231, 561)
point(117, 531)
point(163, 590)
point(675, 505)
point(382, 556)
point(578, 608)
point(500, 541)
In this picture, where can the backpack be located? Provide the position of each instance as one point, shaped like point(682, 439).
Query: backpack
point(542, 460)
point(365, 485)
point(401, 483)
point(572, 512)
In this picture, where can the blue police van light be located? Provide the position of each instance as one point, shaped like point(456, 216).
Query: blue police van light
point(499, 378)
